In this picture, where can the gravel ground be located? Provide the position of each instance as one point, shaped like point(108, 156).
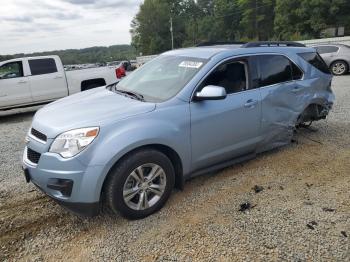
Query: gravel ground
point(301, 214)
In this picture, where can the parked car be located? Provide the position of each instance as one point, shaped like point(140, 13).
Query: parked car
point(37, 80)
point(185, 113)
point(121, 70)
point(336, 56)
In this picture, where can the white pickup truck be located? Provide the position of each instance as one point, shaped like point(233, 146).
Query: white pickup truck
point(38, 80)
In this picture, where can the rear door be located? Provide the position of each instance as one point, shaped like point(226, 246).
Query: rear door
point(14, 85)
point(224, 129)
point(282, 96)
point(47, 79)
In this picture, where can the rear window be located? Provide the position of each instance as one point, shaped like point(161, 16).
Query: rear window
point(315, 60)
point(326, 49)
point(42, 66)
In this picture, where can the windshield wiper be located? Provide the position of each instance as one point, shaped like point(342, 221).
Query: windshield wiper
point(129, 93)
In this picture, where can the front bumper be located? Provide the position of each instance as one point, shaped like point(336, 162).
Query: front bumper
point(70, 183)
point(80, 209)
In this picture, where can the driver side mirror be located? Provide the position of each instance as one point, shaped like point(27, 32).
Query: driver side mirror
point(211, 93)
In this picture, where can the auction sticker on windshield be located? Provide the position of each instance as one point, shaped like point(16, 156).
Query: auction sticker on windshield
point(191, 64)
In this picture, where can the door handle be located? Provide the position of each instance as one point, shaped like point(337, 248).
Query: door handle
point(251, 103)
point(58, 77)
point(22, 82)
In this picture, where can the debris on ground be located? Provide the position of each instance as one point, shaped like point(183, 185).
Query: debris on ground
point(308, 203)
point(309, 185)
point(326, 209)
point(308, 127)
point(258, 189)
point(312, 225)
point(344, 233)
point(245, 206)
point(281, 188)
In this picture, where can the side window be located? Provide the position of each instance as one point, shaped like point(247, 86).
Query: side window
point(327, 49)
point(315, 60)
point(11, 70)
point(42, 66)
point(232, 76)
point(274, 69)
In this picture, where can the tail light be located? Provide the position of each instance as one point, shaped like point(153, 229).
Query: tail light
point(118, 73)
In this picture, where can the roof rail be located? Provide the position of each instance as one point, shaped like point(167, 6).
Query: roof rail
point(273, 44)
point(212, 43)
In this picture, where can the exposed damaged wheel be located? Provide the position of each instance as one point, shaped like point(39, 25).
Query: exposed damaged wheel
point(312, 113)
point(339, 68)
point(140, 185)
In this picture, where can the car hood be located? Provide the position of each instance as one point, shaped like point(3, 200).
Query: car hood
point(96, 107)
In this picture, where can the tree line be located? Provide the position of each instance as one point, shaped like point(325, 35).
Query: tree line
point(196, 21)
point(86, 55)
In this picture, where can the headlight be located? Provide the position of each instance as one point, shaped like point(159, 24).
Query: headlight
point(71, 143)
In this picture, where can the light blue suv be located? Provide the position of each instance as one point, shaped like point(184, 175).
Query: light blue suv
point(187, 112)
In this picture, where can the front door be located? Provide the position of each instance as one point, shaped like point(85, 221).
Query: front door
point(14, 86)
point(224, 129)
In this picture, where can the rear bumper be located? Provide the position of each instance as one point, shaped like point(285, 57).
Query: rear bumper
point(81, 209)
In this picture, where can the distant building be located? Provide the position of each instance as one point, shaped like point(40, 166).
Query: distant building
point(333, 32)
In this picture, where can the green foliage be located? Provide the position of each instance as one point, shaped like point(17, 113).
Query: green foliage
point(86, 55)
point(150, 27)
point(307, 18)
point(197, 21)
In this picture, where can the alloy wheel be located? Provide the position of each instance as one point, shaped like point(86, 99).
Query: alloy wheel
point(338, 68)
point(144, 186)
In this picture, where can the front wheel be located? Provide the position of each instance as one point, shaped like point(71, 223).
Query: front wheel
point(339, 68)
point(140, 184)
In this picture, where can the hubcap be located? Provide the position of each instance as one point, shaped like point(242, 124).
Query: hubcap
point(338, 68)
point(144, 186)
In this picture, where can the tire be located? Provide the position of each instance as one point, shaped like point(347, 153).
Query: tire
point(339, 68)
point(125, 189)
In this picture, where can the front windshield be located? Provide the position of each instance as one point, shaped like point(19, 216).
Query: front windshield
point(161, 78)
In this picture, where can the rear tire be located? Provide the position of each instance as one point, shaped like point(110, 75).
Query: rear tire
point(140, 184)
point(339, 68)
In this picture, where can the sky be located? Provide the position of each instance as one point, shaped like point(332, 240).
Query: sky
point(28, 26)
